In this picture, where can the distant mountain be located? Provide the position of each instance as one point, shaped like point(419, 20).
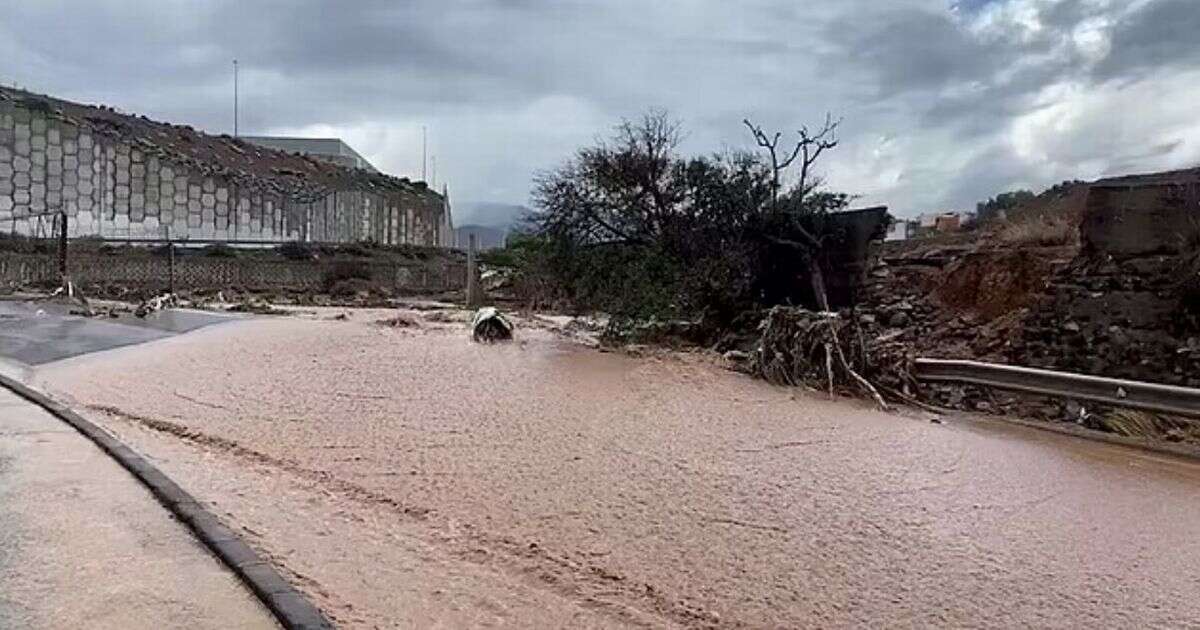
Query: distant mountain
point(486, 237)
point(488, 213)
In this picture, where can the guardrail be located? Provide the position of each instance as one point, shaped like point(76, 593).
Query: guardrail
point(1183, 401)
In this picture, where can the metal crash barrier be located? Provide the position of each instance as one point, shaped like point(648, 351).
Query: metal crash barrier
point(1182, 401)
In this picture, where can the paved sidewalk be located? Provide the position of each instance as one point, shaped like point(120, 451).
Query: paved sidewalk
point(83, 544)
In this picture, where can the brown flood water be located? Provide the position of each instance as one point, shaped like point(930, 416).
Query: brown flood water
point(410, 477)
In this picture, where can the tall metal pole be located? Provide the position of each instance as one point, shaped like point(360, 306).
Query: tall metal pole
point(170, 264)
point(235, 98)
point(64, 277)
point(474, 299)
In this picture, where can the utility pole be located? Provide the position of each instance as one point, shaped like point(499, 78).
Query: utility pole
point(63, 275)
point(235, 98)
point(170, 263)
point(451, 239)
point(474, 299)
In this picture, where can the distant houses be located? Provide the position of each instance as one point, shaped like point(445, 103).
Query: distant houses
point(928, 224)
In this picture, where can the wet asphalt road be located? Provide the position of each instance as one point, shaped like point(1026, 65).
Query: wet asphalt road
point(34, 333)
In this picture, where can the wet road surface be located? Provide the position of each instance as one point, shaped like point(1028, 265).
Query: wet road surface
point(39, 332)
point(409, 477)
point(83, 545)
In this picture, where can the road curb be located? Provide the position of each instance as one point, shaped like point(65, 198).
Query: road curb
point(288, 605)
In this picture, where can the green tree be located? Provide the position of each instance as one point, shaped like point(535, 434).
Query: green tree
point(1003, 203)
point(632, 225)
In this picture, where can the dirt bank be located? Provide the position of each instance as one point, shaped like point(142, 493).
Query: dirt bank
point(404, 476)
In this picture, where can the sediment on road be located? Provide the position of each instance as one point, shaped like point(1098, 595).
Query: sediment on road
point(539, 484)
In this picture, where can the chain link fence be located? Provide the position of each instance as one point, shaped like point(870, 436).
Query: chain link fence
point(161, 266)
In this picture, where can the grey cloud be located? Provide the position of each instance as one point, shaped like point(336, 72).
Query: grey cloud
point(508, 87)
point(994, 169)
point(910, 49)
point(1164, 34)
point(983, 111)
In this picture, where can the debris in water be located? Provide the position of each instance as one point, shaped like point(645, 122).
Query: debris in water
point(399, 321)
point(802, 347)
point(155, 304)
point(257, 307)
point(490, 325)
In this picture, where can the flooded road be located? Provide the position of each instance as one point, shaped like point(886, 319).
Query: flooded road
point(408, 477)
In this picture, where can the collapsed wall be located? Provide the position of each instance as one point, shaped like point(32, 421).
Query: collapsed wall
point(1123, 302)
point(117, 175)
point(1126, 306)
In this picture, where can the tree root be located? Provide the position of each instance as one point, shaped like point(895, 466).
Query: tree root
point(803, 347)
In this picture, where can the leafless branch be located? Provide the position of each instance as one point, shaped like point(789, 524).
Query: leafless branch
point(809, 148)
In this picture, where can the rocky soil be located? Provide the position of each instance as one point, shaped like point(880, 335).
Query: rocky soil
point(1040, 307)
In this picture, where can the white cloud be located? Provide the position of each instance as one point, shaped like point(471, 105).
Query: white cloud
point(1093, 38)
point(1087, 131)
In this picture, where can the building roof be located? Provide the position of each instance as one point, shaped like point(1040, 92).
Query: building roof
point(299, 177)
point(314, 146)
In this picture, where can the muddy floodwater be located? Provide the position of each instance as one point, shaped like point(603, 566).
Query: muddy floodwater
point(407, 477)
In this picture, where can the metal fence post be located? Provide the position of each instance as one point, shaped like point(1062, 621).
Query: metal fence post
point(64, 279)
point(170, 266)
point(473, 297)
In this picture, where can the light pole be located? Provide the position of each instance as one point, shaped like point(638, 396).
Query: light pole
point(235, 98)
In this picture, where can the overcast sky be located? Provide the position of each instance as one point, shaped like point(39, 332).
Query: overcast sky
point(944, 103)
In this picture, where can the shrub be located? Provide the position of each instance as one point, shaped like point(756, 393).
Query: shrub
point(220, 250)
point(343, 270)
point(1042, 229)
point(295, 250)
point(349, 287)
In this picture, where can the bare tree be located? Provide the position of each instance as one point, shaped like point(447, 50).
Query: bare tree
point(808, 149)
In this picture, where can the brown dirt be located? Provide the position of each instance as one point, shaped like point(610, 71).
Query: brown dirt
point(994, 283)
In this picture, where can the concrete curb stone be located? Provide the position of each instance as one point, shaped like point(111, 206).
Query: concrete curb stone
point(290, 608)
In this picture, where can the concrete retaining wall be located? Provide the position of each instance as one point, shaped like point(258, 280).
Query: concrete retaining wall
point(115, 184)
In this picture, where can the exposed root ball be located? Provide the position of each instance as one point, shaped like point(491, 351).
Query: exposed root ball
point(490, 325)
point(822, 350)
